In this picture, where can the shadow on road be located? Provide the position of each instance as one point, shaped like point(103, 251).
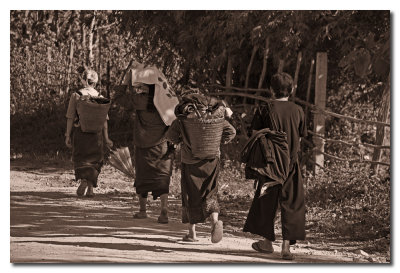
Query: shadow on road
point(104, 225)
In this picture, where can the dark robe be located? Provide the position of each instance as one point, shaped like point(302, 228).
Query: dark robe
point(290, 196)
point(87, 155)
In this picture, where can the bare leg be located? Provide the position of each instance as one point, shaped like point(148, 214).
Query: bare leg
point(89, 192)
point(216, 228)
point(286, 254)
point(164, 201)
point(142, 208)
point(163, 218)
point(214, 218)
point(192, 231)
point(82, 187)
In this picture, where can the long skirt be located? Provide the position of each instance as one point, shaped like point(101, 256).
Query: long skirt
point(87, 155)
point(290, 197)
point(199, 188)
point(153, 170)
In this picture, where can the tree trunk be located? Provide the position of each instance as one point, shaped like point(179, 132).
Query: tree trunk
point(264, 67)
point(84, 44)
point(90, 55)
point(108, 78)
point(99, 66)
point(296, 74)
point(71, 58)
point(229, 75)
point(246, 83)
point(320, 101)
point(309, 87)
point(383, 116)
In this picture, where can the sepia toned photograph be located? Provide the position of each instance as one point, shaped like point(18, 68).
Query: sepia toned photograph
point(200, 137)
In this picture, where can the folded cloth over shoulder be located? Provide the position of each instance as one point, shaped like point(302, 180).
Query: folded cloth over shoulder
point(165, 99)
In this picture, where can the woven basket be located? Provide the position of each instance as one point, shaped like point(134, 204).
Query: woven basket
point(92, 115)
point(204, 136)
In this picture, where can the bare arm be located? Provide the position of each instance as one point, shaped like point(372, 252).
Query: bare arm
point(109, 143)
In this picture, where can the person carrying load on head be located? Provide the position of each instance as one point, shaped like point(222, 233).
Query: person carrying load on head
point(86, 131)
point(200, 127)
point(154, 103)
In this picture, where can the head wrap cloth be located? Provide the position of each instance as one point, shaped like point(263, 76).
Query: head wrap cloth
point(165, 99)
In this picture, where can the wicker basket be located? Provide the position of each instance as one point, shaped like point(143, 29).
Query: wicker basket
point(92, 115)
point(204, 136)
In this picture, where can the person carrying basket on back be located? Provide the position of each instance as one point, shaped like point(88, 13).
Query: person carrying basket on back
point(86, 133)
point(200, 127)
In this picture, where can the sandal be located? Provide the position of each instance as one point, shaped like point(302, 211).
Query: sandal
point(256, 247)
point(187, 238)
point(140, 215)
point(217, 232)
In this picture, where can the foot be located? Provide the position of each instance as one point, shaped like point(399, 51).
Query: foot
point(217, 232)
point(285, 253)
point(82, 188)
point(140, 215)
point(190, 238)
point(89, 192)
point(163, 218)
point(264, 246)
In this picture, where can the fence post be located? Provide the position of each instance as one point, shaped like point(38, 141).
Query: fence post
point(383, 115)
point(320, 101)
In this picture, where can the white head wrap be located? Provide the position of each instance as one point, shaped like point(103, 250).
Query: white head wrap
point(165, 99)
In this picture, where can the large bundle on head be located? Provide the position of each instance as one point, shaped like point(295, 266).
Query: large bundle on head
point(203, 120)
point(121, 160)
point(92, 112)
point(165, 99)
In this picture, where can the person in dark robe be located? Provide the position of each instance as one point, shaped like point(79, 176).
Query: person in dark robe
point(154, 102)
point(199, 183)
point(87, 148)
point(289, 196)
point(152, 164)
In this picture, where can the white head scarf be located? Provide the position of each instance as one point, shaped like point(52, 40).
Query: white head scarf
point(165, 99)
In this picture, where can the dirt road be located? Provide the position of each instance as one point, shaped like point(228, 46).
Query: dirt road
point(50, 224)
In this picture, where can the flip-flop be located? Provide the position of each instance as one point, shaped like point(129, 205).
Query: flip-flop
point(287, 256)
point(256, 247)
point(217, 232)
point(186, 238)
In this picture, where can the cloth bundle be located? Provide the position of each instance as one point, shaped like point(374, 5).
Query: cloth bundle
point(165, 99)
point(200, 106)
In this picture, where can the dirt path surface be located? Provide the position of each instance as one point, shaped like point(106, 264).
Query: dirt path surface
point(50, 224)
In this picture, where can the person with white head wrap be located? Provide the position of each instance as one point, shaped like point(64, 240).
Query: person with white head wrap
point(87, 147)
point(155, 103)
